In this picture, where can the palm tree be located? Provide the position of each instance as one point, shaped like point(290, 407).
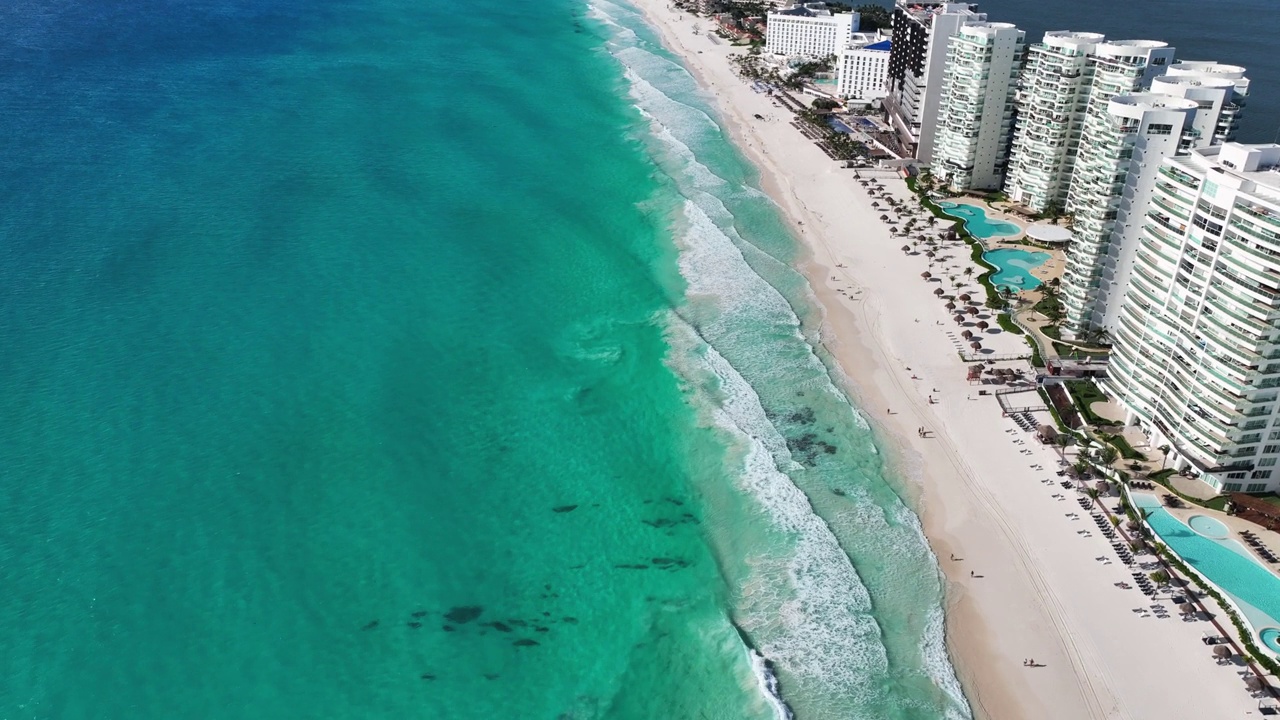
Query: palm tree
point(1063, 441)
point(968, 272)
point(1107, 455)
point(1164, 454)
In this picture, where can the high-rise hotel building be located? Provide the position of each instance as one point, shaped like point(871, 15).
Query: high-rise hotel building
point(975, 116)
point(1197, 345)
point(1052, 97)
point(1122, 146)
point(917, 60)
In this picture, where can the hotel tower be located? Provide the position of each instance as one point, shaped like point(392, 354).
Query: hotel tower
point(1197, 344)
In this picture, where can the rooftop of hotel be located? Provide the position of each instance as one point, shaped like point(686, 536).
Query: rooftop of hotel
point(804, 10)
point(1258, 164)
point(924, 11)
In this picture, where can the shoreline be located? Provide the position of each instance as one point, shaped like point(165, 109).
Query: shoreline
point(1018, 586)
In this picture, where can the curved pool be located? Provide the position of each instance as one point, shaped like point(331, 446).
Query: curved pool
point(976, 222)
point(1271, 638)
point(1013, 268)
point(1224, 562)
point(1208, 527)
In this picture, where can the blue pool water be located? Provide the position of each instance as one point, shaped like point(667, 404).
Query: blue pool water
point(1013, 268)
point(1271, 638)
point(1208, 527)
point(1255, 588)
point(976, 222)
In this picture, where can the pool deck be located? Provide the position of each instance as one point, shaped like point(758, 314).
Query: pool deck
point(1235, 525)
point(1050, 269)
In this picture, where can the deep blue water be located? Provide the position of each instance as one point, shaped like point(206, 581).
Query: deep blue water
point(1235, 32)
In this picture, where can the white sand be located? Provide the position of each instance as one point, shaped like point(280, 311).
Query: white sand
point(1041, 594)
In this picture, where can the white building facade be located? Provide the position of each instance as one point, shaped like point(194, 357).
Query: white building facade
point(863, 67)
point(1197, 347)
point(921, 32)
point(975, 116)
point(1113, 180)
point(1109, 194)
point(809, 30)
point(1051, 102)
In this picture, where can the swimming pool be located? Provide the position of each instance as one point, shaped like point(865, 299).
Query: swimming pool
point(1271, 638)
point(1226, 563)
point(976, 222)
point(1208, 527)
point(1013, 268)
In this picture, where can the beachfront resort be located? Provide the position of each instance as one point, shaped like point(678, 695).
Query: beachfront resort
point(1105, 261)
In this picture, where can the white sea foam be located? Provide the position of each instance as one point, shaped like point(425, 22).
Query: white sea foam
point(805, 606)
point(769, 685)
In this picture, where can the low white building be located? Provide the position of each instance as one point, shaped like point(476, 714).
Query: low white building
point(862, 67)
point(809, 30)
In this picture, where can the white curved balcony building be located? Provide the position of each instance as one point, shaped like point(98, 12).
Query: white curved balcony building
point(1197, 346)
point(1114, 175)
point(975, 117)
point(1052, 96)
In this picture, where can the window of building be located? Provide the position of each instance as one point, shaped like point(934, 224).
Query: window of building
point(1231, 487)
point(1267, 462)
point(1160, 129)
point(1250, 438)
point(1260, 474)
point(1256, 487)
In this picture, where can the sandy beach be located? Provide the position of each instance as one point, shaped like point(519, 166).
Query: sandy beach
point(1028, 578)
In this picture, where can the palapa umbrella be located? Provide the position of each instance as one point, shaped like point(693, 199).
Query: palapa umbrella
point(1221, 651)
point(926, 274)
point(938, 291)
point(959, 318)
point(883, 218)
point(875, 203)
point(1253, 683)
point(982, 325)
point(972, 310)
point(966, 334)
point(906, 248)
point(1187, 608)
point(965, 297)
point(975, 345)
point(950, 306)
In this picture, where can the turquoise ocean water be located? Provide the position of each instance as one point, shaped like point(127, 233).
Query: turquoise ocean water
point(401, 359)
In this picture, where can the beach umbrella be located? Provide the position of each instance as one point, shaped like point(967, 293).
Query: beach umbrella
point(965, 297)
point(922, 238)
point(982, 325)
point(926, 274)
point(959, 318)
point(950, 306)
point(966, 334)
point(1222, 651)
point(875, 203)
point(930, 254)
point(1253, 683)
point(883, 218)
point(975, 345)
point(937, 291)
point(972, 310)
point(1187, 608)
point(906, 248)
